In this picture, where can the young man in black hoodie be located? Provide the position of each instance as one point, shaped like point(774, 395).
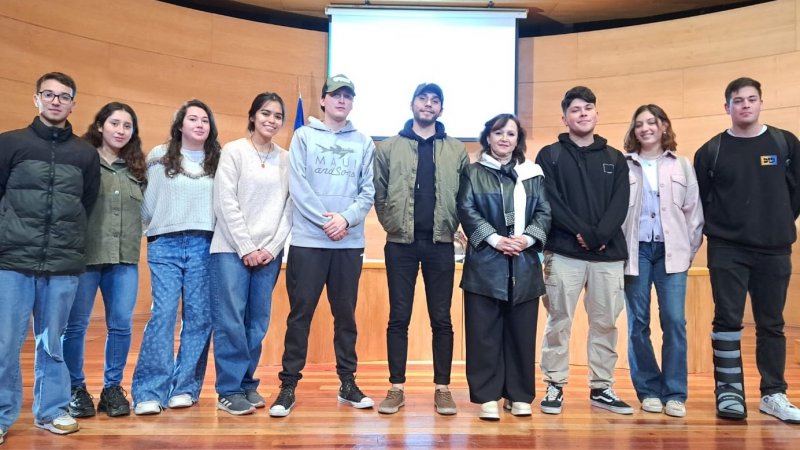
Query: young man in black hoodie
point(588, 188)
point(416, 176)
point(748, 177)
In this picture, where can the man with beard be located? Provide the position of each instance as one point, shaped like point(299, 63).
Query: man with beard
point(416, 181)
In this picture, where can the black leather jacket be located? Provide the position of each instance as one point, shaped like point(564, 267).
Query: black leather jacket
point(485, 207)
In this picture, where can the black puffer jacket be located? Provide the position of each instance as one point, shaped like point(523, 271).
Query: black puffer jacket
point(486, 206)
point(49, 180)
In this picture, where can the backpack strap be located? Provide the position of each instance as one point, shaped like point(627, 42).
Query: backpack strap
point(555, 152)
point(783, 144)
point(714, 144)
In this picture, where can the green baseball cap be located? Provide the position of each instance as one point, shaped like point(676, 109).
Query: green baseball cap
point(337, 82)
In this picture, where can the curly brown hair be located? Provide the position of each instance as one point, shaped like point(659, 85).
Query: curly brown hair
point(668, 142)
point(211, 147)
point(131, 153)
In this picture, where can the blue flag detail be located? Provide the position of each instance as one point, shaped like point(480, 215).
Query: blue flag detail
point(299, 119)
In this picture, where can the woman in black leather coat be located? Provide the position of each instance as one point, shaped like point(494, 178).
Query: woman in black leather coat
point(505, 214)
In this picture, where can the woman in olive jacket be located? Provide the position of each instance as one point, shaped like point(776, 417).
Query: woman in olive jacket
point(505, 214)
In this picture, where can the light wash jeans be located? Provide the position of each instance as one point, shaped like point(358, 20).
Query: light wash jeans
point(49, 298)
point(241, 303)
point(179, 268)
point(119, 284)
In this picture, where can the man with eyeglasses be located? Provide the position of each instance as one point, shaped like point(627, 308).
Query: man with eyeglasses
point(330, 182)
point(49, 180)
point(416, 180)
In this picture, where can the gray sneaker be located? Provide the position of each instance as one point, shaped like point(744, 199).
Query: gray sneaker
point(395, 398)
point(443, 401)
point(235, 404)
point(255, 398)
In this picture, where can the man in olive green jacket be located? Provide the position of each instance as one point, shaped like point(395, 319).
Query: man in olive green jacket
point(416, 176)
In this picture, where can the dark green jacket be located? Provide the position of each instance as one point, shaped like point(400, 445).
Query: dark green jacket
point(115, 224)
point(394, 174)
point(49, 179)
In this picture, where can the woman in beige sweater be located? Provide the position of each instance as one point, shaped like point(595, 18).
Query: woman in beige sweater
point(254, 216)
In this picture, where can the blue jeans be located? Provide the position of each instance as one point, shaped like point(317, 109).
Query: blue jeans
point(179, 268)
point(241, 304)
point(119, 284)
point(49, 298)
point(668, 383)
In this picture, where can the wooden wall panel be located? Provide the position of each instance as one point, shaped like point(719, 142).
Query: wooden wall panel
point(525, 59)
point(241, 43)
point(695, 41)
point(143, 24)
point(560, 54)
point(32, 50)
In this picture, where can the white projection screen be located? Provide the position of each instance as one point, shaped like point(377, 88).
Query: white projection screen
point(471, 54)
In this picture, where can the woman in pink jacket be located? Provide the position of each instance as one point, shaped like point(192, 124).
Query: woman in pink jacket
point(663, 231)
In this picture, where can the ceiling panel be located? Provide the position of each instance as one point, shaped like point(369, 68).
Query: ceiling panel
point(562, 11)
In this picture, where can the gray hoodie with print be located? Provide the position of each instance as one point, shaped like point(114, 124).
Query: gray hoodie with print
point(330, 171)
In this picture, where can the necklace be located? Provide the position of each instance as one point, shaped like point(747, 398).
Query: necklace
point(258, 153)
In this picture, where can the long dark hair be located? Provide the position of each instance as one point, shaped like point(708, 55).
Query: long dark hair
point(172, 159)
point(497, 122)
point(131, 153)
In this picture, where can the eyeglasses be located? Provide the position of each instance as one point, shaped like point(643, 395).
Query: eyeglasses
point(49, 96)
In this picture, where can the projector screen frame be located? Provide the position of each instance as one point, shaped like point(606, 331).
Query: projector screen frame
point(370, 10)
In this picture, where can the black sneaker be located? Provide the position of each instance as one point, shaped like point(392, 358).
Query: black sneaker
point(606, 398)
point(350, 394)
point(553, 398)
point(113, 402)
point(81, 404)
point(284, 402)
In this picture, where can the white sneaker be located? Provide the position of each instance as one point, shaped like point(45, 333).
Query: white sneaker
point(779, 406)
point(147, 408)
point(2, 435)
point(490, 411)
point(517, 408)
point(652, 404)
point(675, 408)
point(180, 401)
point(60, 425)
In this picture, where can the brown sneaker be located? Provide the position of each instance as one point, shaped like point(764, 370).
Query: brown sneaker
point(443, 400)
point(395, 398)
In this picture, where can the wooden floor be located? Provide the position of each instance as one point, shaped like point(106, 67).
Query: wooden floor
point(319, 422)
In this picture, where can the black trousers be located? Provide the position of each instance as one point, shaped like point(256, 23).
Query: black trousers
point(438, 267)
point(735, 272)
point(501, 348)
point(308, 270)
